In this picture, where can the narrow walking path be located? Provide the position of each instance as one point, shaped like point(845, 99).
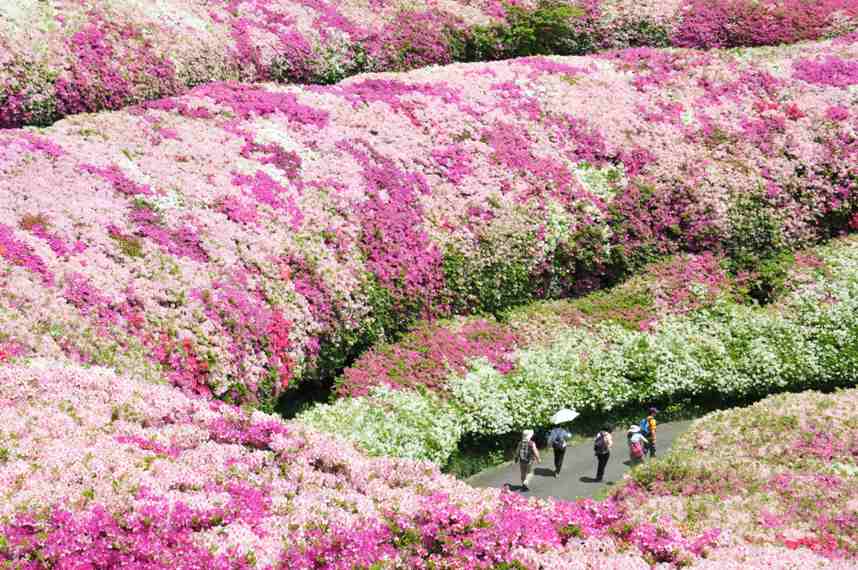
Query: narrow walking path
point(579, 467)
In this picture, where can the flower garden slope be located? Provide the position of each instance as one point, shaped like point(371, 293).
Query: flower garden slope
point(232, 238)
point(781, 472)
point(64, 57)
point(721, 351)
point(99, 470)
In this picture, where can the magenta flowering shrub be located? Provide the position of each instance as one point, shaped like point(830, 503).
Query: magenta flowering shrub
point(106, 471)
point(781, 473)
point(733, 23)
point(67, 57)
point(232, 239)
point(429, 354)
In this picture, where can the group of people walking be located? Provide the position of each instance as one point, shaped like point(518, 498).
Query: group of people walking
point(641, 439)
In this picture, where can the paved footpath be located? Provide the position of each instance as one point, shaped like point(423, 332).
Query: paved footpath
point(579, 468)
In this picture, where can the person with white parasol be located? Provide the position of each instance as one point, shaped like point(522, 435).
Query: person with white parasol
point(557, 437)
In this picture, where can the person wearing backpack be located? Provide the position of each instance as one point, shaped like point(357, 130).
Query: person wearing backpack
point(557, 440)
point(602, 445)
point(525, 455)
point(648, 428)
point(637, 445)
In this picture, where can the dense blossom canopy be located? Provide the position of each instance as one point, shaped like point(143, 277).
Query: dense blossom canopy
point(65, 56)
point(232, 238)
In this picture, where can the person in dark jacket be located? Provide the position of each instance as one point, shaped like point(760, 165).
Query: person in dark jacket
point(557, 440)
point(602, 445)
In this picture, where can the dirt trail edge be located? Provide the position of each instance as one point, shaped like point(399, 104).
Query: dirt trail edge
point(579, 468)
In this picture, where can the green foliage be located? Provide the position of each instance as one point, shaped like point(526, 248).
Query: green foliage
point(476, 454)
point(644, 34)
point(514, 565)
point(755, 232)
point(625, 306)
point(767, 282)
point(129, 245)
point(551, 28)
point(488, 289)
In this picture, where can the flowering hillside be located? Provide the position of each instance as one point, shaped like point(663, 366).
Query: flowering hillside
point(235, 239)
point(106, 471)
point(693, 344)
point(782, 472)
point(64, 57)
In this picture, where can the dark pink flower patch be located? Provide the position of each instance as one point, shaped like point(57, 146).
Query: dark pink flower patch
point(19, 253)
point(113, 65)
point(829, 70)
point(732, 23)
point(428, 356)
point(10, 349)
point(837, 113)
point(257, 435)
point(246, 101)
point(183, 366)
point(153, 537)
point(150, 445)
point(121, 183)
point(237, 210)
point(88, 299)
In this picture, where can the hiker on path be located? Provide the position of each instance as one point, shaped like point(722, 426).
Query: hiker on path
point(525, 456)
point(557, 440)
point(602, 447)
point(648, 428)
point(637, 445)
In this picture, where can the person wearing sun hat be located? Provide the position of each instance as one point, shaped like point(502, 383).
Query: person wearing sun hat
point(637, 445)
point(525, 455)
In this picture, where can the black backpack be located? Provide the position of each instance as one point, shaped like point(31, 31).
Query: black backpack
point(600, 444)
point(525, 454)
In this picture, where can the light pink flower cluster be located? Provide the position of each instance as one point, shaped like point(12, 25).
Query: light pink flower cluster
point(230, 239)
point(99, 470)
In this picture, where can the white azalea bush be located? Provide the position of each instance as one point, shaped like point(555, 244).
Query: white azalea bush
point(393, 423)
point(809, 339)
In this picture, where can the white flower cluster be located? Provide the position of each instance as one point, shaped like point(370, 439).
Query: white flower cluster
point(393, 423)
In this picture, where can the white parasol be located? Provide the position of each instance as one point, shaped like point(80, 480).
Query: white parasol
point(563, 416)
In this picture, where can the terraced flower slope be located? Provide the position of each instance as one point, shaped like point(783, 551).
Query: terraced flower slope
point(63, 57)
point(232, 239)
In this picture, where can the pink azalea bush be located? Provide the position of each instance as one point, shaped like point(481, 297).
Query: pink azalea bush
point(67, 57)
point(233, 239)
point(780, 473)
point(100, 470)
